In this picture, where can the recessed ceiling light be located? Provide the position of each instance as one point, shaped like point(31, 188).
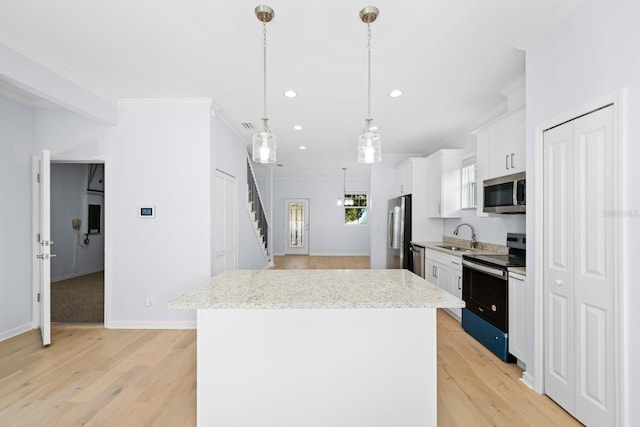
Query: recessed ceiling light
point(302, 147)
point(297, 127)
point(395, 93)
point(290, 93)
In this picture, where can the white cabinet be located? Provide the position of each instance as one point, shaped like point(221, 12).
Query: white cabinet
point(500, 149)
point(517, 316)
point(445, 271)
point(411, 176)
point(443, 183)
point(507, 145)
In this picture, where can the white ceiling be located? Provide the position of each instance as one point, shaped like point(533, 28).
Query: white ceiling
point(450, 58)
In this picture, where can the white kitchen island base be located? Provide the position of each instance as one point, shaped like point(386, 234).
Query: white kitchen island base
point(317, 367)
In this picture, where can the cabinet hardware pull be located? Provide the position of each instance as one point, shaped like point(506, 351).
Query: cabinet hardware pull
point(459, 283)
point(506, 161)
point(512, 154)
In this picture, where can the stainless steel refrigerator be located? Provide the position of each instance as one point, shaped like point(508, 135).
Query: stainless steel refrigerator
point(399, 233)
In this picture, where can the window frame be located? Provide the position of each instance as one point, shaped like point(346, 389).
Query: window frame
point(469, 183)
point(364, 207)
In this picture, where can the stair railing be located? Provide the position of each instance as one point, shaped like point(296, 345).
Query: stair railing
point(258, 207)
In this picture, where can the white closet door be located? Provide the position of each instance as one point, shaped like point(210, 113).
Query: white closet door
point(225, 223)
point(578, 267)
point(558, 266)
point(594, 279)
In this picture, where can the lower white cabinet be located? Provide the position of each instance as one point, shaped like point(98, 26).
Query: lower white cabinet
point(517, 333)
point(445, 271)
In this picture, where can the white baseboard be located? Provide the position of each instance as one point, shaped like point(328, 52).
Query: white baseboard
point(16, 331)
point(326, 254)
point(527, 379)
point(337, 254)
point(188, 324)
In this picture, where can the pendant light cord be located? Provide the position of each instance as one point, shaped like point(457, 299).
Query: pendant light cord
point(264, 75)
point(369, 74)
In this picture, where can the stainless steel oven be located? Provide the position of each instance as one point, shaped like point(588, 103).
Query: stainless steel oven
point(485, 280)
point(484, 291)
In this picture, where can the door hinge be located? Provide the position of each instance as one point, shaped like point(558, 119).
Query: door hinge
point(38, 237)
point(38, 178)
point(38, 296)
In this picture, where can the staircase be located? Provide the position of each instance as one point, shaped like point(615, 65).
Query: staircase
point(255, 207)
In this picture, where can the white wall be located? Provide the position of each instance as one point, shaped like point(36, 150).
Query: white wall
point(16, 148)
point(158, 154)
point(69, 200)
point(161, 157)
point(591, 54)
point(328, 235)
point(492, 229)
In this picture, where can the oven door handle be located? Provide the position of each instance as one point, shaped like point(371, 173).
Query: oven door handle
point(492, 271)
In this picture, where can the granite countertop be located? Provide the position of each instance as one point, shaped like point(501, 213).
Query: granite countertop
point(518, 270)
point(316, 289)
point(464, 247)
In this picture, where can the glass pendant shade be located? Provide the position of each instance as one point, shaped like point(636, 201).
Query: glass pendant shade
point(264, 147)
point(369, 147)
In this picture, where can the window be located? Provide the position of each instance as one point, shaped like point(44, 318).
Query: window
point(355, 213)
point(469, 183)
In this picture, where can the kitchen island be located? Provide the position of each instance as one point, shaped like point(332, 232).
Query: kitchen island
point(316, 348)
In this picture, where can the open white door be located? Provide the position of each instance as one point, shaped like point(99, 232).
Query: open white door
point(43, 257)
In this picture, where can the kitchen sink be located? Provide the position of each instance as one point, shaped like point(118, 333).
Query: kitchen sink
point(454, 248)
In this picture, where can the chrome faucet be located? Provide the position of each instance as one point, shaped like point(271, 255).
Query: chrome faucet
point(474, 242)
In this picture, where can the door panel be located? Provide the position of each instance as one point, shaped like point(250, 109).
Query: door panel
point(558, 266)
point(593, 370)
point(44, 239)
point(225, 223)
point(594, 291)
point(558, 363)
point(297, 226)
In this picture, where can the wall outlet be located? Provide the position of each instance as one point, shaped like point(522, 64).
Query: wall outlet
point(75, 223)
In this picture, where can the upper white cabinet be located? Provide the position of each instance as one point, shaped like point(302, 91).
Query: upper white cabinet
point(412, 178)
point(507, 145)
point(443, 183)
point(501, 143)
point(410, 172)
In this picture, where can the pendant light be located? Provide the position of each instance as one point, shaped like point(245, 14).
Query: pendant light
point(264, 142)
point(347, 201)
point(370, 142)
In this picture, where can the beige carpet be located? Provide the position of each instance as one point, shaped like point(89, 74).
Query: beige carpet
point(78, 300)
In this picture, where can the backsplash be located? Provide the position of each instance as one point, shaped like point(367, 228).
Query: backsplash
point(491, 229)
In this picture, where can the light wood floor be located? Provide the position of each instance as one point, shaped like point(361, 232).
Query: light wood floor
point(304, 262)
point(92, 376)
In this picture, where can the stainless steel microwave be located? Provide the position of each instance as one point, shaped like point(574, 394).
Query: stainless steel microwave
point(506, 194)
